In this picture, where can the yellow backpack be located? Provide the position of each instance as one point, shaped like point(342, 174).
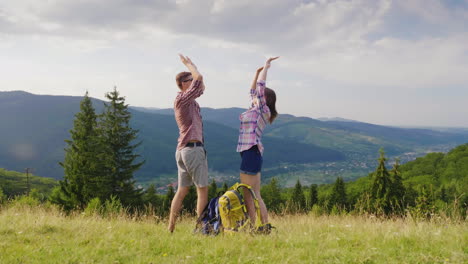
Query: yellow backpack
point(233, 211)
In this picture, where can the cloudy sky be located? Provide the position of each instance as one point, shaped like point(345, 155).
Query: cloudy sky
point(392, 62)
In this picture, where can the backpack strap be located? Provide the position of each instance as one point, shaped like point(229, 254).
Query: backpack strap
point(237, 186)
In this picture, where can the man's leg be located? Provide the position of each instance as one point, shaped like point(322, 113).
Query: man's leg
point(176, 206)
point(199, 170)
point(202, 199)
point(184, 183)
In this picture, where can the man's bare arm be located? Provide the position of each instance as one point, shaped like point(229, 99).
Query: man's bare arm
point(191, 67)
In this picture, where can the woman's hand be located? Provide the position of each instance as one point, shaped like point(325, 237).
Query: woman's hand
point(268, 62)
point(259, 70)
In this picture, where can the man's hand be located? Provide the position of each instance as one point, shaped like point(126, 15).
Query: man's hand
point(186, 60)
point(191, 66)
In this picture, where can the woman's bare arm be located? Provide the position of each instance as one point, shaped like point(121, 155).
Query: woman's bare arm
point(263, 74)
point(254, 82)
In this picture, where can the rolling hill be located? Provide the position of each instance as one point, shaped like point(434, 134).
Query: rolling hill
point(34, 128)
point(349, 137)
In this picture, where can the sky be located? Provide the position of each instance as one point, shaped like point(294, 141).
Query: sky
point(389, 62)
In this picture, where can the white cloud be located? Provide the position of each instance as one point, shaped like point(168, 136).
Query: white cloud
point(337, 45)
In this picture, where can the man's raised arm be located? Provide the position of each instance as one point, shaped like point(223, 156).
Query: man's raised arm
point(191, 67)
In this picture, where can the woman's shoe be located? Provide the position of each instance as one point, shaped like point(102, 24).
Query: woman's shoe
point(264, 229)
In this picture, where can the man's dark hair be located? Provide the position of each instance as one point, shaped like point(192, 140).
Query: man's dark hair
point(180, 77)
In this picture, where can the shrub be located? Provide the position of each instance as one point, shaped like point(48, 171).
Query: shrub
point(2, 196)
point(316, 210)
point(25, 201)
point(112, 207)
point(94, 207)
point(34, 193)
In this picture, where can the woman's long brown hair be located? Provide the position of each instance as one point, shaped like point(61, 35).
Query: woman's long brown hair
point(270, 97)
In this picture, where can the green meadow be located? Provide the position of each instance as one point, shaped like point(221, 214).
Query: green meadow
point(44, 234)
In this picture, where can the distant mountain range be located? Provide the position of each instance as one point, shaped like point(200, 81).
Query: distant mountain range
point(339, 119)
point(34, 127)
point(346, 136)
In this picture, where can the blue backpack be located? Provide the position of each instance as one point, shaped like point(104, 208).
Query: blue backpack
point(209, 222)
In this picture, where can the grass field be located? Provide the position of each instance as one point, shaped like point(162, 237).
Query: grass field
point(39, 235)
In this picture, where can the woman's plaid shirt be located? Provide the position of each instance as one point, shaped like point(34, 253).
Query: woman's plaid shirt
point(254, 120)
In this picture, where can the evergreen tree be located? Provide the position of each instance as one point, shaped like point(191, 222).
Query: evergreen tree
point(225, 187)
point(424, 203)
point(82, 166)
point(168, 198)
point(313, 196)
point(212, 190)
point(397, 189)
point(338, 195)
point(271, 195)
point(151, 197)
point(120, 160)
point(2, 196)
point(190, 201)
point(298, 198)
point(443, 194)
point(380, 190)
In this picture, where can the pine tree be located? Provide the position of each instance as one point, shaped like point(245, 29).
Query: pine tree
point(212, 190)
point(443, 194)
point(190, 201)
point(276, 200)
point(298, 199)
point(380, 191)
point(397, 189)
point(82, 166)
point(338, 195)
point(2, 196)
point(168, 198)
point(120, 160)
point(313, 196)
point(271, 195)
point(151, 197)
point(424, 203)
point(225, 187)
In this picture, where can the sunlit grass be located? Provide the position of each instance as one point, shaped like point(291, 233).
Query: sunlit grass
point(41, 235)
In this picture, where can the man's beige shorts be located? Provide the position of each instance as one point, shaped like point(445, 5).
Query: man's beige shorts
point(192, 166)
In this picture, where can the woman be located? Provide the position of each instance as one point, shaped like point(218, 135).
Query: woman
point(253, 121)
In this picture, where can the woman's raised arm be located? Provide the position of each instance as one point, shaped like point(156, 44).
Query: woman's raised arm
point(254, 82)
point(263, 74)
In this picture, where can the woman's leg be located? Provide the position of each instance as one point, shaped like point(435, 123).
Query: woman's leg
point(254, 181)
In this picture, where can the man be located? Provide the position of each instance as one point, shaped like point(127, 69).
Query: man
point(190, 154)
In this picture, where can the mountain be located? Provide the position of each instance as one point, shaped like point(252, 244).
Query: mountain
point(346, 136)
point(34, 128)
point(339, 119)
point(358, 141)
point(15, 183)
